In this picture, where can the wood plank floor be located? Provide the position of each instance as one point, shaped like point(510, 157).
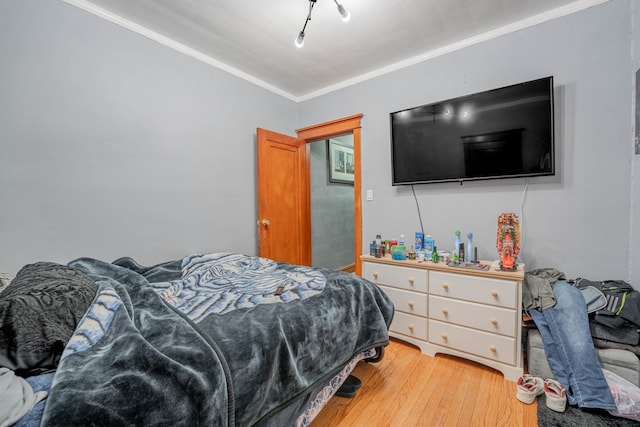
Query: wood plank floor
point(408, 388)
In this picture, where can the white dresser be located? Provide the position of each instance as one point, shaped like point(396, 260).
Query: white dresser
point(475, 314)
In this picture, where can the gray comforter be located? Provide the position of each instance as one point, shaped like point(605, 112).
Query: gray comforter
point(193, 342)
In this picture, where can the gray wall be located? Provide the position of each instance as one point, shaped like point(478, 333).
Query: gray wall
point(577, 221)
point(112, 144)
point(634, 229)
point(332, 231)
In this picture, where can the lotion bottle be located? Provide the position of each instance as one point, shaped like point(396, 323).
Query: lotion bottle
point(429, 243)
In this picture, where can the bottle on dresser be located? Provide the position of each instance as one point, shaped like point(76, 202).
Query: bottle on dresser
point(469, 252)
point(428, 245)
point(419, 240)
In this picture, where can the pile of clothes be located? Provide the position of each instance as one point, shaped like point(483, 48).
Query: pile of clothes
point(616, 322)
point(571, 316)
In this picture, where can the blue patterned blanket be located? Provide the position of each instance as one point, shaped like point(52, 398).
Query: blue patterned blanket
point(223, 282)
point(216, 340)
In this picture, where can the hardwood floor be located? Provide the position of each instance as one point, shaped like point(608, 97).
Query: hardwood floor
point(408, 388)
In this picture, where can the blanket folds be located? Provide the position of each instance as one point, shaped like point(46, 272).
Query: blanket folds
point(148, 367)
point(140, 357)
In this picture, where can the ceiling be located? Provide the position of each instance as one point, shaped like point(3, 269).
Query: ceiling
point(254, 39)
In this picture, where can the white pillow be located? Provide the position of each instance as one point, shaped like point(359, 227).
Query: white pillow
point(5, 279)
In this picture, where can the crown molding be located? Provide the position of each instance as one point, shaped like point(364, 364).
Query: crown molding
point(166, 41)
point(556, 13)
point(559, 12)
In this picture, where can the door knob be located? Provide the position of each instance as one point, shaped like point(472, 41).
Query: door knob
point(265, 222)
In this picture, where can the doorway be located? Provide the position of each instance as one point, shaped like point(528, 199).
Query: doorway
point(284, 227)
point(331, 182)
point(345, 126)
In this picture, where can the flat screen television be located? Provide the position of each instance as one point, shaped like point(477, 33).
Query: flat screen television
point(500, 133)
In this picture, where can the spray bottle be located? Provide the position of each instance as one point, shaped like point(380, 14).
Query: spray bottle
point(469, 255)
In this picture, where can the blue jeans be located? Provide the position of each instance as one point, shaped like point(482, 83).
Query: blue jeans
point(569, 348)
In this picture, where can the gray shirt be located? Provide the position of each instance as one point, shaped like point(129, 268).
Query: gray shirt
point(536, 290)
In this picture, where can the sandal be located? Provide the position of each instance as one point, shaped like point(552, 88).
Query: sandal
point(529, 388)
point(346, 390)
point(556, 395)
point(349, 387)
point(353, 381)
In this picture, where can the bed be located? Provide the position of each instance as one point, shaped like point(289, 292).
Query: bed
point(218, 339)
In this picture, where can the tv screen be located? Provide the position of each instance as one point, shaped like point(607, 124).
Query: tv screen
point(500, 133)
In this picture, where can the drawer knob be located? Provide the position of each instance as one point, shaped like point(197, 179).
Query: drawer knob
point(411, 328)
point(445, 311)
point(493, 349)
point(410, 304)
point(375, 275)
point(445, 337)
point(494, 322)
point(445, 286)
point(411, 281)
point(494, 294)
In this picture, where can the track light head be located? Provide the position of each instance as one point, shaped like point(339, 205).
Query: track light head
point(343, 12)
point(299, 42)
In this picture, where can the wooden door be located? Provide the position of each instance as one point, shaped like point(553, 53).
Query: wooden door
point(284, 202)
point(284, 223)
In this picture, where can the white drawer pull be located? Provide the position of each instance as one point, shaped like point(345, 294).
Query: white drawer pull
point(494, 294)
point(445, 286)
point(445, 311)
point(493, 349)
point(411, 328)
point(444, 337)
point(375, 275)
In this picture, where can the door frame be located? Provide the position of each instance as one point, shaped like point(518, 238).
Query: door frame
point(326, 130)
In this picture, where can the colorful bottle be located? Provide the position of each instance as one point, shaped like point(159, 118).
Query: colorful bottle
point(469, 253)
point(419, 240)
point(411, 253)
point(456, 246)
point(379, 251)
point(434, 255)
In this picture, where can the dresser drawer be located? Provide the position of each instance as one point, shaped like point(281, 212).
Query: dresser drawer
point(412, 279)
point(490, 346)
point(412, 326)
point(407, 301)
point(485, 317)
point(503, 293)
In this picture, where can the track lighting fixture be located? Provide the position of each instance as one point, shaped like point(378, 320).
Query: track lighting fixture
point(343, 12)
